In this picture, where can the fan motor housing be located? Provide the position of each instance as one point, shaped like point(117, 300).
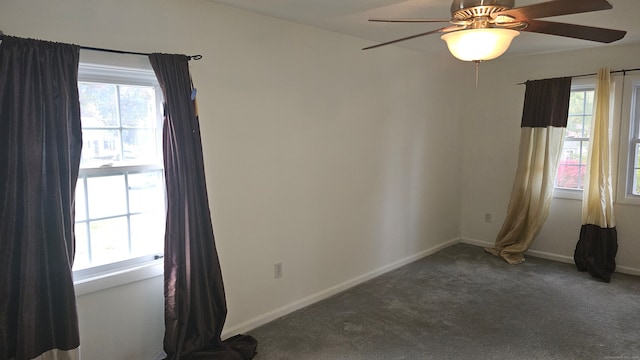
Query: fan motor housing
point(468, 9)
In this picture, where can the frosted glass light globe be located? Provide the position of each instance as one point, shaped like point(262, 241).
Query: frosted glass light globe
point(479, 44)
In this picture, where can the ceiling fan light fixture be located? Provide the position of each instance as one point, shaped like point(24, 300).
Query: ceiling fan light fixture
point(479, 44)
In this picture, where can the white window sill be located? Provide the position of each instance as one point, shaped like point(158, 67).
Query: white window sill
point(577, 195)
point(567, 194)
point(629, 200)
point(120, 277)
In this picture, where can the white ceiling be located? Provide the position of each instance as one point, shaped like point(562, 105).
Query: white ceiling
point(350, 17)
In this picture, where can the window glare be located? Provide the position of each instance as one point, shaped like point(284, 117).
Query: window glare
point(107, 203)
point(109, 240)
point(145, 192)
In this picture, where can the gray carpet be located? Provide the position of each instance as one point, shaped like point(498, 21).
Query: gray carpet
point(463, 303)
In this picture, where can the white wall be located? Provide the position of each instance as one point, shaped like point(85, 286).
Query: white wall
point(490, 133)
point(336, 162)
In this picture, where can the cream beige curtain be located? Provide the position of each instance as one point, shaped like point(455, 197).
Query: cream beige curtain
point(544, 123)
point(597, 247)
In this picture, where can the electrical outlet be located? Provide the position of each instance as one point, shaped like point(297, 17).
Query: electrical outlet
point(277, 270)
point(487, 217)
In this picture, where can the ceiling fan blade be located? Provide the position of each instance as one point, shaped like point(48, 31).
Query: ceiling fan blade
point(554, 8)
point(403, 39)
point(410, 20)
point(574, 31)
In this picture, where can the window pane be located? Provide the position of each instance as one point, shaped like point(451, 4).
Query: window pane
point(636, 183)
point(568, 176)
point(140, 145)
point(587, 127)
point(588, 102)
point(574, 126)
point(81, 259)
point(146, 192)
point(100, 147)
point(109, 240)
point(571, 152)
point(576, 103)
point(584, 154)
point(98, 104)
point(148, 232)
point(137, 106)
point(107, 196)
point(81, 210)
point(583, 173)
point(569, 168)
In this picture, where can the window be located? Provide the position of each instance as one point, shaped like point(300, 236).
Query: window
point(120, 197)
point(633, 184)
point(572, 166)
point(629, 175)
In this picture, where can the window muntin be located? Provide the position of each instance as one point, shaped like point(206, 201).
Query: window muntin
point(572, 166)
point(120, 197)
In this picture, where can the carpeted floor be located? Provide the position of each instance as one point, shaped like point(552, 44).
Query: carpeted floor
point(463, 303)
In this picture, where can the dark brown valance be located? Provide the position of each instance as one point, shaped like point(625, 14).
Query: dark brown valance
point(546, 102)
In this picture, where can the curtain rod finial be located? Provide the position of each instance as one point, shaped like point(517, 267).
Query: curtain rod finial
point(195, 57)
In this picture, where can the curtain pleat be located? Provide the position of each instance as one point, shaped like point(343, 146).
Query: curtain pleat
point(195, 304)
point(40, 145)
point(598, 242)
point(543, 124)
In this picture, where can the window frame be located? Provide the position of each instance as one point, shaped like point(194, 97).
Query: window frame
point(118, 273)
point(629, 126)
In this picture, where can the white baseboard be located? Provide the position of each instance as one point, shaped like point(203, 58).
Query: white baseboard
point(628, 270)
point(534, 253)
point(321, 295)
point(551, 256)
point(477, 242)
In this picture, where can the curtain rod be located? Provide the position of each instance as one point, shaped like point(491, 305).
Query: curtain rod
point(191, 57)
point(624, 71)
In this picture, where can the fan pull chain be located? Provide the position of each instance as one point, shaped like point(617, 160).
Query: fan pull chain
point(477, 72)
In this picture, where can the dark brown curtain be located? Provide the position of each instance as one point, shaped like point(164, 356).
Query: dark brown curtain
point(40, 144)
point(195, 304)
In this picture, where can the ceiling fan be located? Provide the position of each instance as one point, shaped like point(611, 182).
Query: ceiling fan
point(483, 29)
